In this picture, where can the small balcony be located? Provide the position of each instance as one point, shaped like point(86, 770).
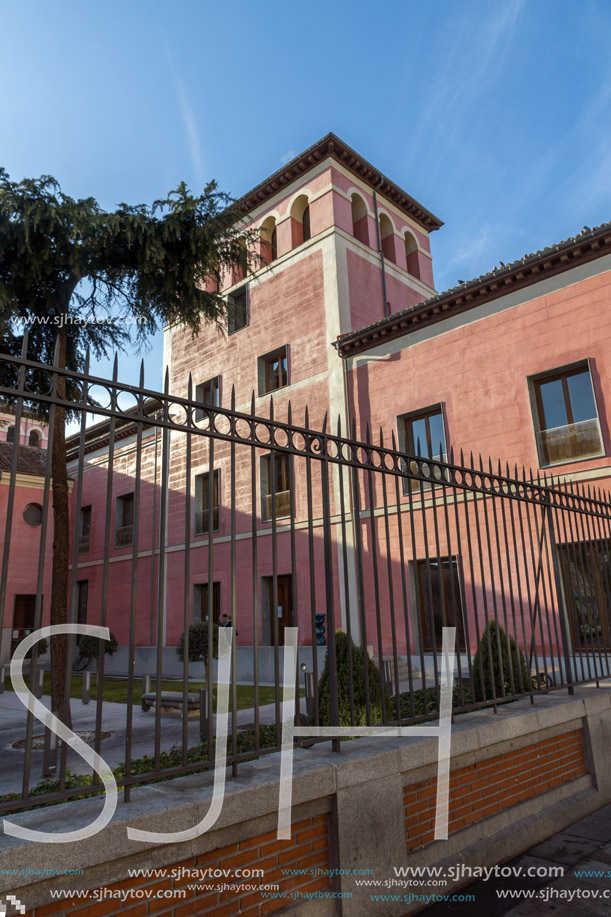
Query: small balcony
point(573, 441)
point(283, 505)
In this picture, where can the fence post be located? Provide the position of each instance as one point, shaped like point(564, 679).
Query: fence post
point(40, 680)
point(49, 753)
point(86, 687)
point(563, 611)
point(203, 714)
point(328, 542)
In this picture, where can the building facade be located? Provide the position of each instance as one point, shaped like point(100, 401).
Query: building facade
point(341, 325)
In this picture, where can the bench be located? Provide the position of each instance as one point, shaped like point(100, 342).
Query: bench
point(170, 699)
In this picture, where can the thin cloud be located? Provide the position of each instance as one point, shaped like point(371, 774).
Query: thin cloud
point(287, 157)
point(475, 56)
point(473, 249)
point(189, 121)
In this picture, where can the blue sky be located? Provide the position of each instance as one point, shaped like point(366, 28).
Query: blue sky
point(494, 114)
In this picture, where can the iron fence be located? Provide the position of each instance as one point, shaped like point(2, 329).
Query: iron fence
point(182, 511)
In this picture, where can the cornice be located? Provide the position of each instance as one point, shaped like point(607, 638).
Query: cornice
point(587, 246)
point(331, 146)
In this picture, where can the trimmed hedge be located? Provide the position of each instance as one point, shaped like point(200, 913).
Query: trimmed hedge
point(89, 646)
point(498, 658)
point(358, 683)
point(198, 643)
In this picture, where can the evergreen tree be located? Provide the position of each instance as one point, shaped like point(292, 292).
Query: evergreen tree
point(65, 263)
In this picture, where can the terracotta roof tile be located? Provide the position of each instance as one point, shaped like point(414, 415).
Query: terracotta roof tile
point(30, 460)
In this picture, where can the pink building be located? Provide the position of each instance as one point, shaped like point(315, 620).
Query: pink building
point(25, 544)
point(342, 319)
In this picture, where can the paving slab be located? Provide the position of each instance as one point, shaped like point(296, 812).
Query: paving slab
point(580, 848)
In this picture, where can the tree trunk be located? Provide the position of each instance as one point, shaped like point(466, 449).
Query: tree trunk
point(61, 547)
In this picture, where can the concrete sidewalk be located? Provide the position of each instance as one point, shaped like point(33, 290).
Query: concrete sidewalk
point(583, 847)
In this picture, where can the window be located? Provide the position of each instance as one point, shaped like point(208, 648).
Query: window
point(32, 514)
point(439, 601)
point(422, 434)
point(10, 435)
point(269, 241)
point(84, 530)
point(300, 220)
point(208, 393)
point(565, 416)
point(237, 311)
point(411, 255)
point(305, 222)
point(34, 438)
point(200, 602)
point(124, 521)
point(202, 502)
point(387, 237)
point(281, 487)
point(273, 371)
point(359, 219)
point(586, 572)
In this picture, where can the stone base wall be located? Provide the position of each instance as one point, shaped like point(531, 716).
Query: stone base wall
point(516, 777)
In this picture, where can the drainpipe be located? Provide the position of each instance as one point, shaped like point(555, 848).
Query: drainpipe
point(379, 238)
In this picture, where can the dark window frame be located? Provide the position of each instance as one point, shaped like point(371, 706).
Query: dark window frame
point(84, 537)
point(266, 373)
point(202, 588)
point(238, 313)
point(201, 490)
point(209, 387)
point(282, 491)
point(561, 373)
point(420, 581)
point(407, 444)
point(124, 533)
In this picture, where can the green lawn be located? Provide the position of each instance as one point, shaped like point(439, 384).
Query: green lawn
point(115, 690)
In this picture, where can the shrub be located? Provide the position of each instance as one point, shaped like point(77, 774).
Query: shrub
point(358, 686)
point(89, 646)
point(494, 652)
point(198, 643)
point(43, 646)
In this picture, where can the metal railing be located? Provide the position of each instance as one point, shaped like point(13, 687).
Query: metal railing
point(386, 548)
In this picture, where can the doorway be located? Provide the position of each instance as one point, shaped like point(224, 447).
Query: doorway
point(23, 619)
point(284, 610)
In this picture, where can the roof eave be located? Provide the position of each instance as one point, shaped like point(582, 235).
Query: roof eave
point(332, 146)
point(521, 274)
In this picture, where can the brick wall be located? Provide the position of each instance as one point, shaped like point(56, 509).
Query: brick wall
point(307, 849)
point(481, 790)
